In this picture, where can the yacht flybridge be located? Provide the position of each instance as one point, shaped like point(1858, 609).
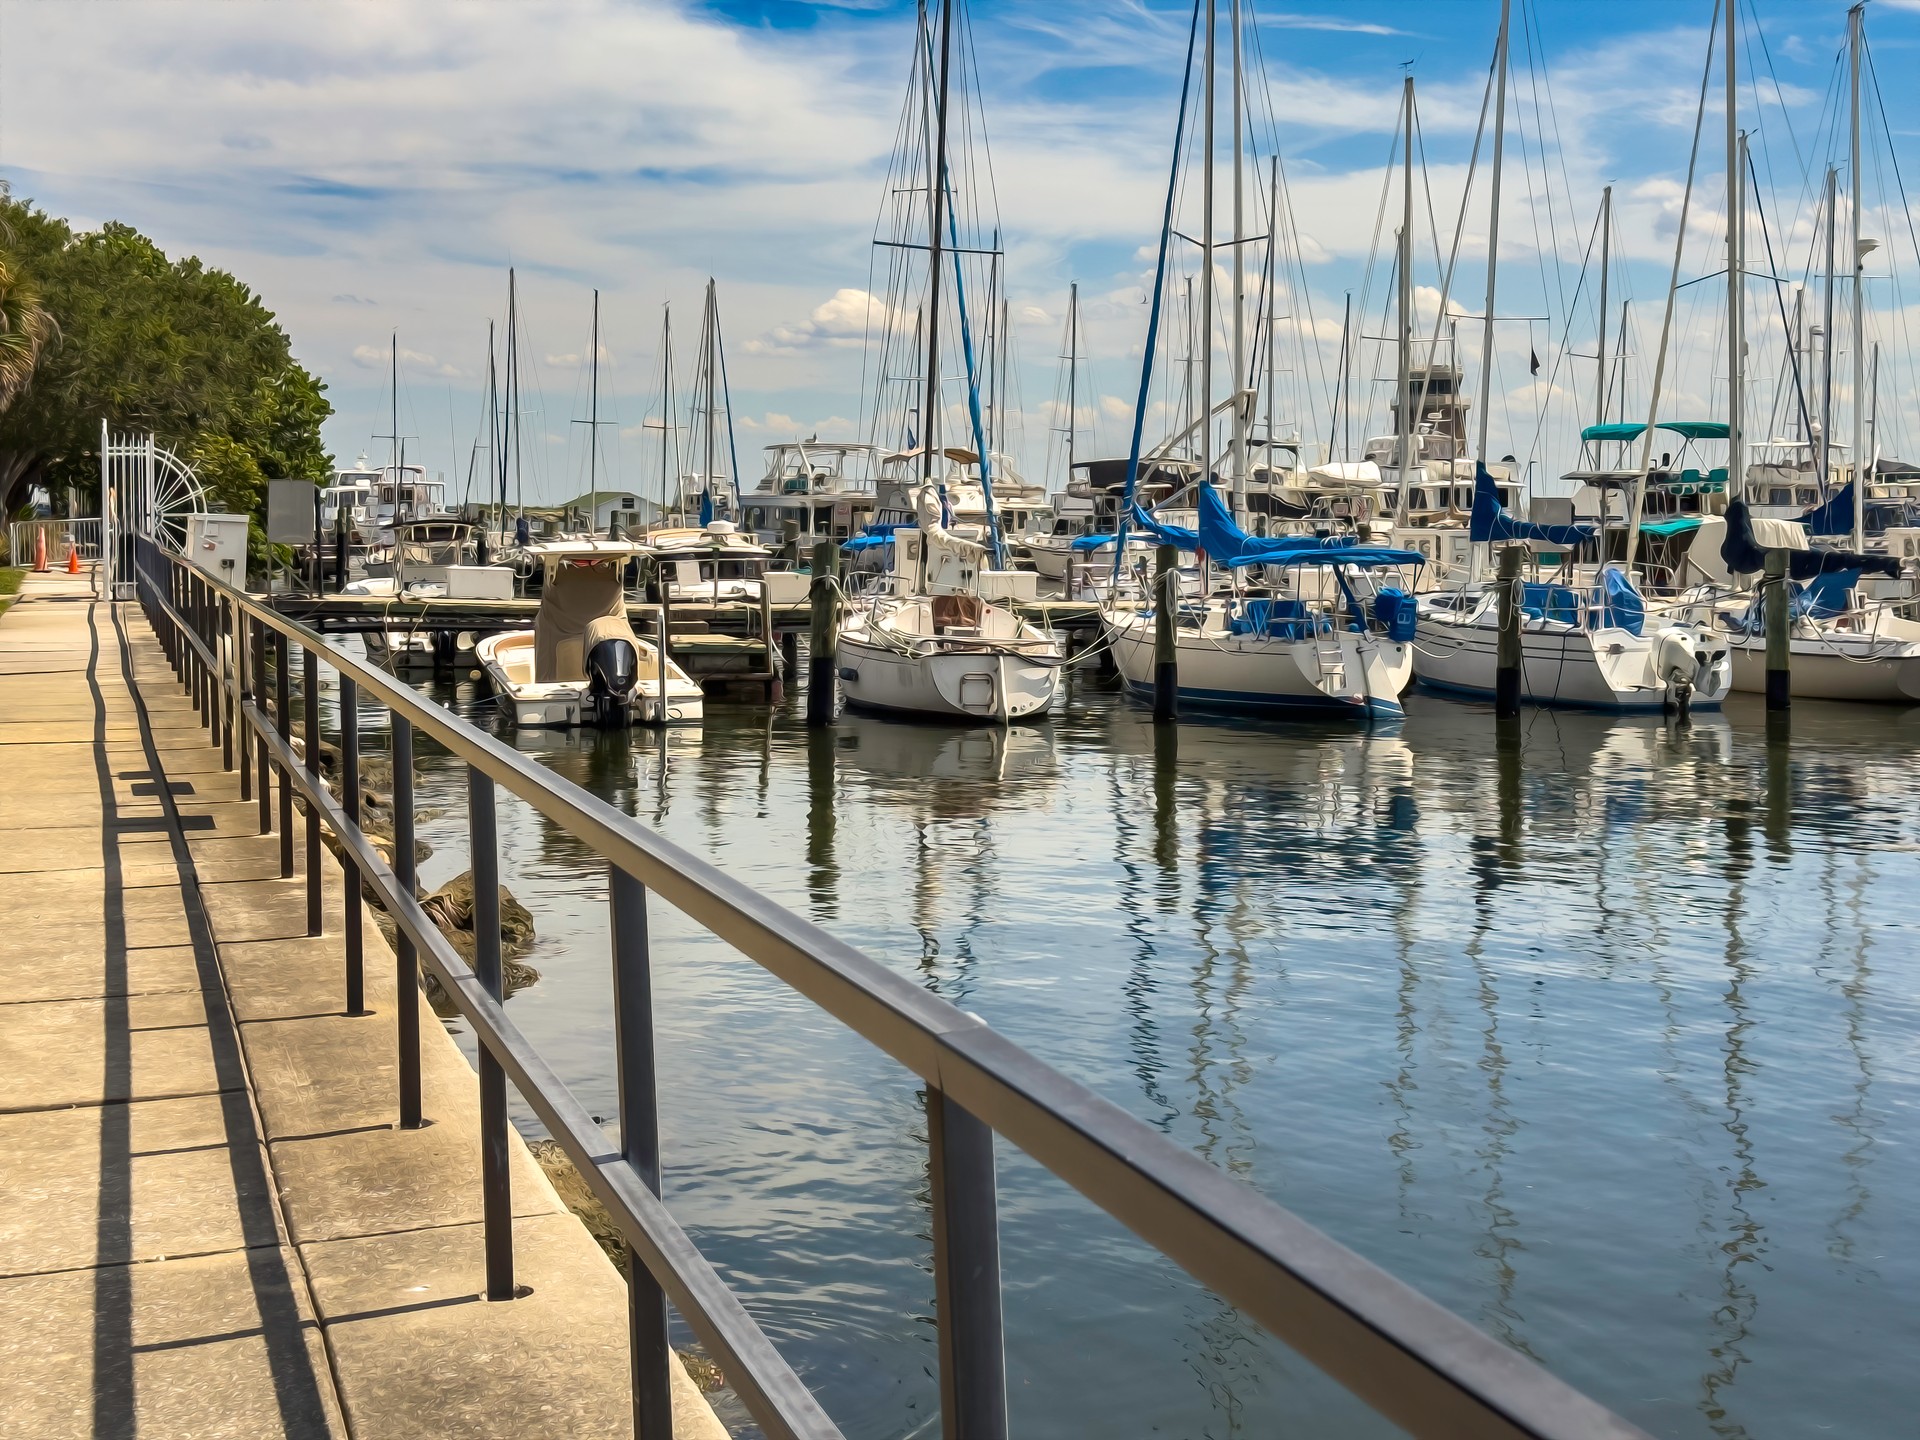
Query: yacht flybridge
point(582, 664)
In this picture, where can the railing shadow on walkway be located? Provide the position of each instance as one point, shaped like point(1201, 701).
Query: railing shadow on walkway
point(1424, 1368)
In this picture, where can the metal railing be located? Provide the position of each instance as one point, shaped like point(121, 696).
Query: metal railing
point(1423, 1367)
point(82, 534)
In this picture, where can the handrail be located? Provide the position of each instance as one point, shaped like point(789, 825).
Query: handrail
point(1423, 1367)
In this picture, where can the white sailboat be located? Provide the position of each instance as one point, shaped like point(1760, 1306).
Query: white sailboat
point(582, 664)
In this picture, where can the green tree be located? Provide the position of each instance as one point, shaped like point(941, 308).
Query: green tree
point(145, 342)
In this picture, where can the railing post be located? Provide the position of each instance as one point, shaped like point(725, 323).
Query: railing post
point(640, 1146)
point(351, 919)
point(407, 963)
point(261, 768)
point(966, 1273)
point(242, 628)
point(310, 685)
point(221, 617)
point(496, 1184)
point(283, 721)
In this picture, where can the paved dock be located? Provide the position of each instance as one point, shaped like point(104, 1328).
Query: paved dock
point(209, 1224)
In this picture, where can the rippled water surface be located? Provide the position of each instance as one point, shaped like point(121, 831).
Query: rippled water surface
point(1605, 1040)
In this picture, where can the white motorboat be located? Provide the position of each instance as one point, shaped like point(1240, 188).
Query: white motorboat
point(582, 664)
point(929, 644)
point(426, 552)
point(717, 563)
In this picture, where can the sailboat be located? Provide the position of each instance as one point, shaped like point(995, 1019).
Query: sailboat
point(1587, 644)
point(928, 641)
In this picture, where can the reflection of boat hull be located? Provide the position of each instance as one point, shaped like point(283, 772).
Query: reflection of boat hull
point(414, 651)
point(979, 685)
point(919, 753)
point(508, 661)
point(1836, 667)
point(1256, 674)
point(1607, 669)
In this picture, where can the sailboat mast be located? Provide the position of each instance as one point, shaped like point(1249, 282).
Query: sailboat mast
point(1493, 253)
point(1826, 334)
point(710, 326)
point(1238, 463)
point(393, 378)
point(668, 501)
point(1206, 257)
point(939, 220)
point(493, 423)
point(1600, 348)
point(513, 387)
point(1403, 398)
point(1073, 370)
point(593, 429)
point(1855, 20)
point(1736, 262)
point(1272, 290)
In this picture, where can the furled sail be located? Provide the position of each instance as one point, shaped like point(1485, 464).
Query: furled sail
point(1491, 522)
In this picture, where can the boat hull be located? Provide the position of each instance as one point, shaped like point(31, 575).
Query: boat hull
point(1252, 674)
point(1823, 670)
point(507, 662)
point(1592, 670)
point(985, 687)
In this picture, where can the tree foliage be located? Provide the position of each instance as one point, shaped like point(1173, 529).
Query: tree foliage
point(148, 343)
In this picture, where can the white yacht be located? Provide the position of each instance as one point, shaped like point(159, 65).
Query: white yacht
point(827, 488)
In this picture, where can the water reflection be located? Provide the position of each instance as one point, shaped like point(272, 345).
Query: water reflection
point(1588, 1026)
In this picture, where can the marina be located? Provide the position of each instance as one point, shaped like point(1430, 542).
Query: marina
point(1349, 873)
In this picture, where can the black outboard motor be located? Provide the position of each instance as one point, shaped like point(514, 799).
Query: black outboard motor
point(613, 670)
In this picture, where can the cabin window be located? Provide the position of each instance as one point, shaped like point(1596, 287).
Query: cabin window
point(1779, 495)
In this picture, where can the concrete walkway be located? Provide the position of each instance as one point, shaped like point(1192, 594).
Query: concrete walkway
point(209, 1226)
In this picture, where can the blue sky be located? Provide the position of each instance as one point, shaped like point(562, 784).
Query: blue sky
point(376, 167)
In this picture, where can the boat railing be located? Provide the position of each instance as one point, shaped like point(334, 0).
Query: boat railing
point(1421, 1366)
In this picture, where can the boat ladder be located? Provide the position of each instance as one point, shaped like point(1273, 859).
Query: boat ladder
point(1331, 658)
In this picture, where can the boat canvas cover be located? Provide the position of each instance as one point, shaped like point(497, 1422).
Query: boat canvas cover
point(1747, 541)
point(1225, 543)
point(1491, 522)
point(580, 606)
point(1833, 518)
point(1166, 534)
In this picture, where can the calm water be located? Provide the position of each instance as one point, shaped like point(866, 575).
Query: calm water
point(1605, 1041)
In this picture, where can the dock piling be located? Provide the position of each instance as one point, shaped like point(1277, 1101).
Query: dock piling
point(1166, 665)
point(1779, 600)
point(822, 662)
point(1506, 674)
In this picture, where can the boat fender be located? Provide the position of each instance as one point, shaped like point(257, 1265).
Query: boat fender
point(847, 672)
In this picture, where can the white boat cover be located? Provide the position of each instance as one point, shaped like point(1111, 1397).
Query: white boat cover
point(1779, 534)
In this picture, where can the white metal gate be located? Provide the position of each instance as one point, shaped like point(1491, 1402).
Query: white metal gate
point(145, 489)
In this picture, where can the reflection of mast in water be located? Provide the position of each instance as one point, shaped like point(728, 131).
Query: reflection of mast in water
point(1858, 1122)
point(1141, 985)
point(823, 875)
point(1504, 857)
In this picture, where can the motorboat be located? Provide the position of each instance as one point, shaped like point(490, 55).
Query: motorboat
point(426, 554)
point(926, 642)
point(717, 562)
point(582, 664)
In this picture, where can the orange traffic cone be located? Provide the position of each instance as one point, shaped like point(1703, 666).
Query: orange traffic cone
point(39, 550)
point(73, 558)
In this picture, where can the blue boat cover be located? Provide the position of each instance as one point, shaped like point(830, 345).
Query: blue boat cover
point(1826, 596)
point(1491, 522)
point(1161, 531)
point(1091, 542)
point(706, 508)
point(1833, 518)
point(1620, 604)
point(1742, 554)
point(1225, 543)
point(1398, 611)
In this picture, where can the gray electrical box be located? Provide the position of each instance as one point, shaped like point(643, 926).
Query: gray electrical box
point(292, 509)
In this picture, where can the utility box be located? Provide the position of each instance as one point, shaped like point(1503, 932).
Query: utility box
point(293, 511)
point(479, 582)
point(217, 544)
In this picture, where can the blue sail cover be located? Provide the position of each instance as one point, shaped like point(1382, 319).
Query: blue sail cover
point(1165, 534)
point(1620, 604)
point(706, 508)
point(1742, 554)
point(1833, 518)
point(1491, 522)
point(1225, 543)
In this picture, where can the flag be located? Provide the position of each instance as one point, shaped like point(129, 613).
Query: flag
point(1533, 363)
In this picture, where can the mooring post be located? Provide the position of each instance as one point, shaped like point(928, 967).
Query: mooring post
point(1506, 675)
point(790, 541)
point(1166, 664)
point(825, 626)
point(773, 650)
point(1779, 630)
